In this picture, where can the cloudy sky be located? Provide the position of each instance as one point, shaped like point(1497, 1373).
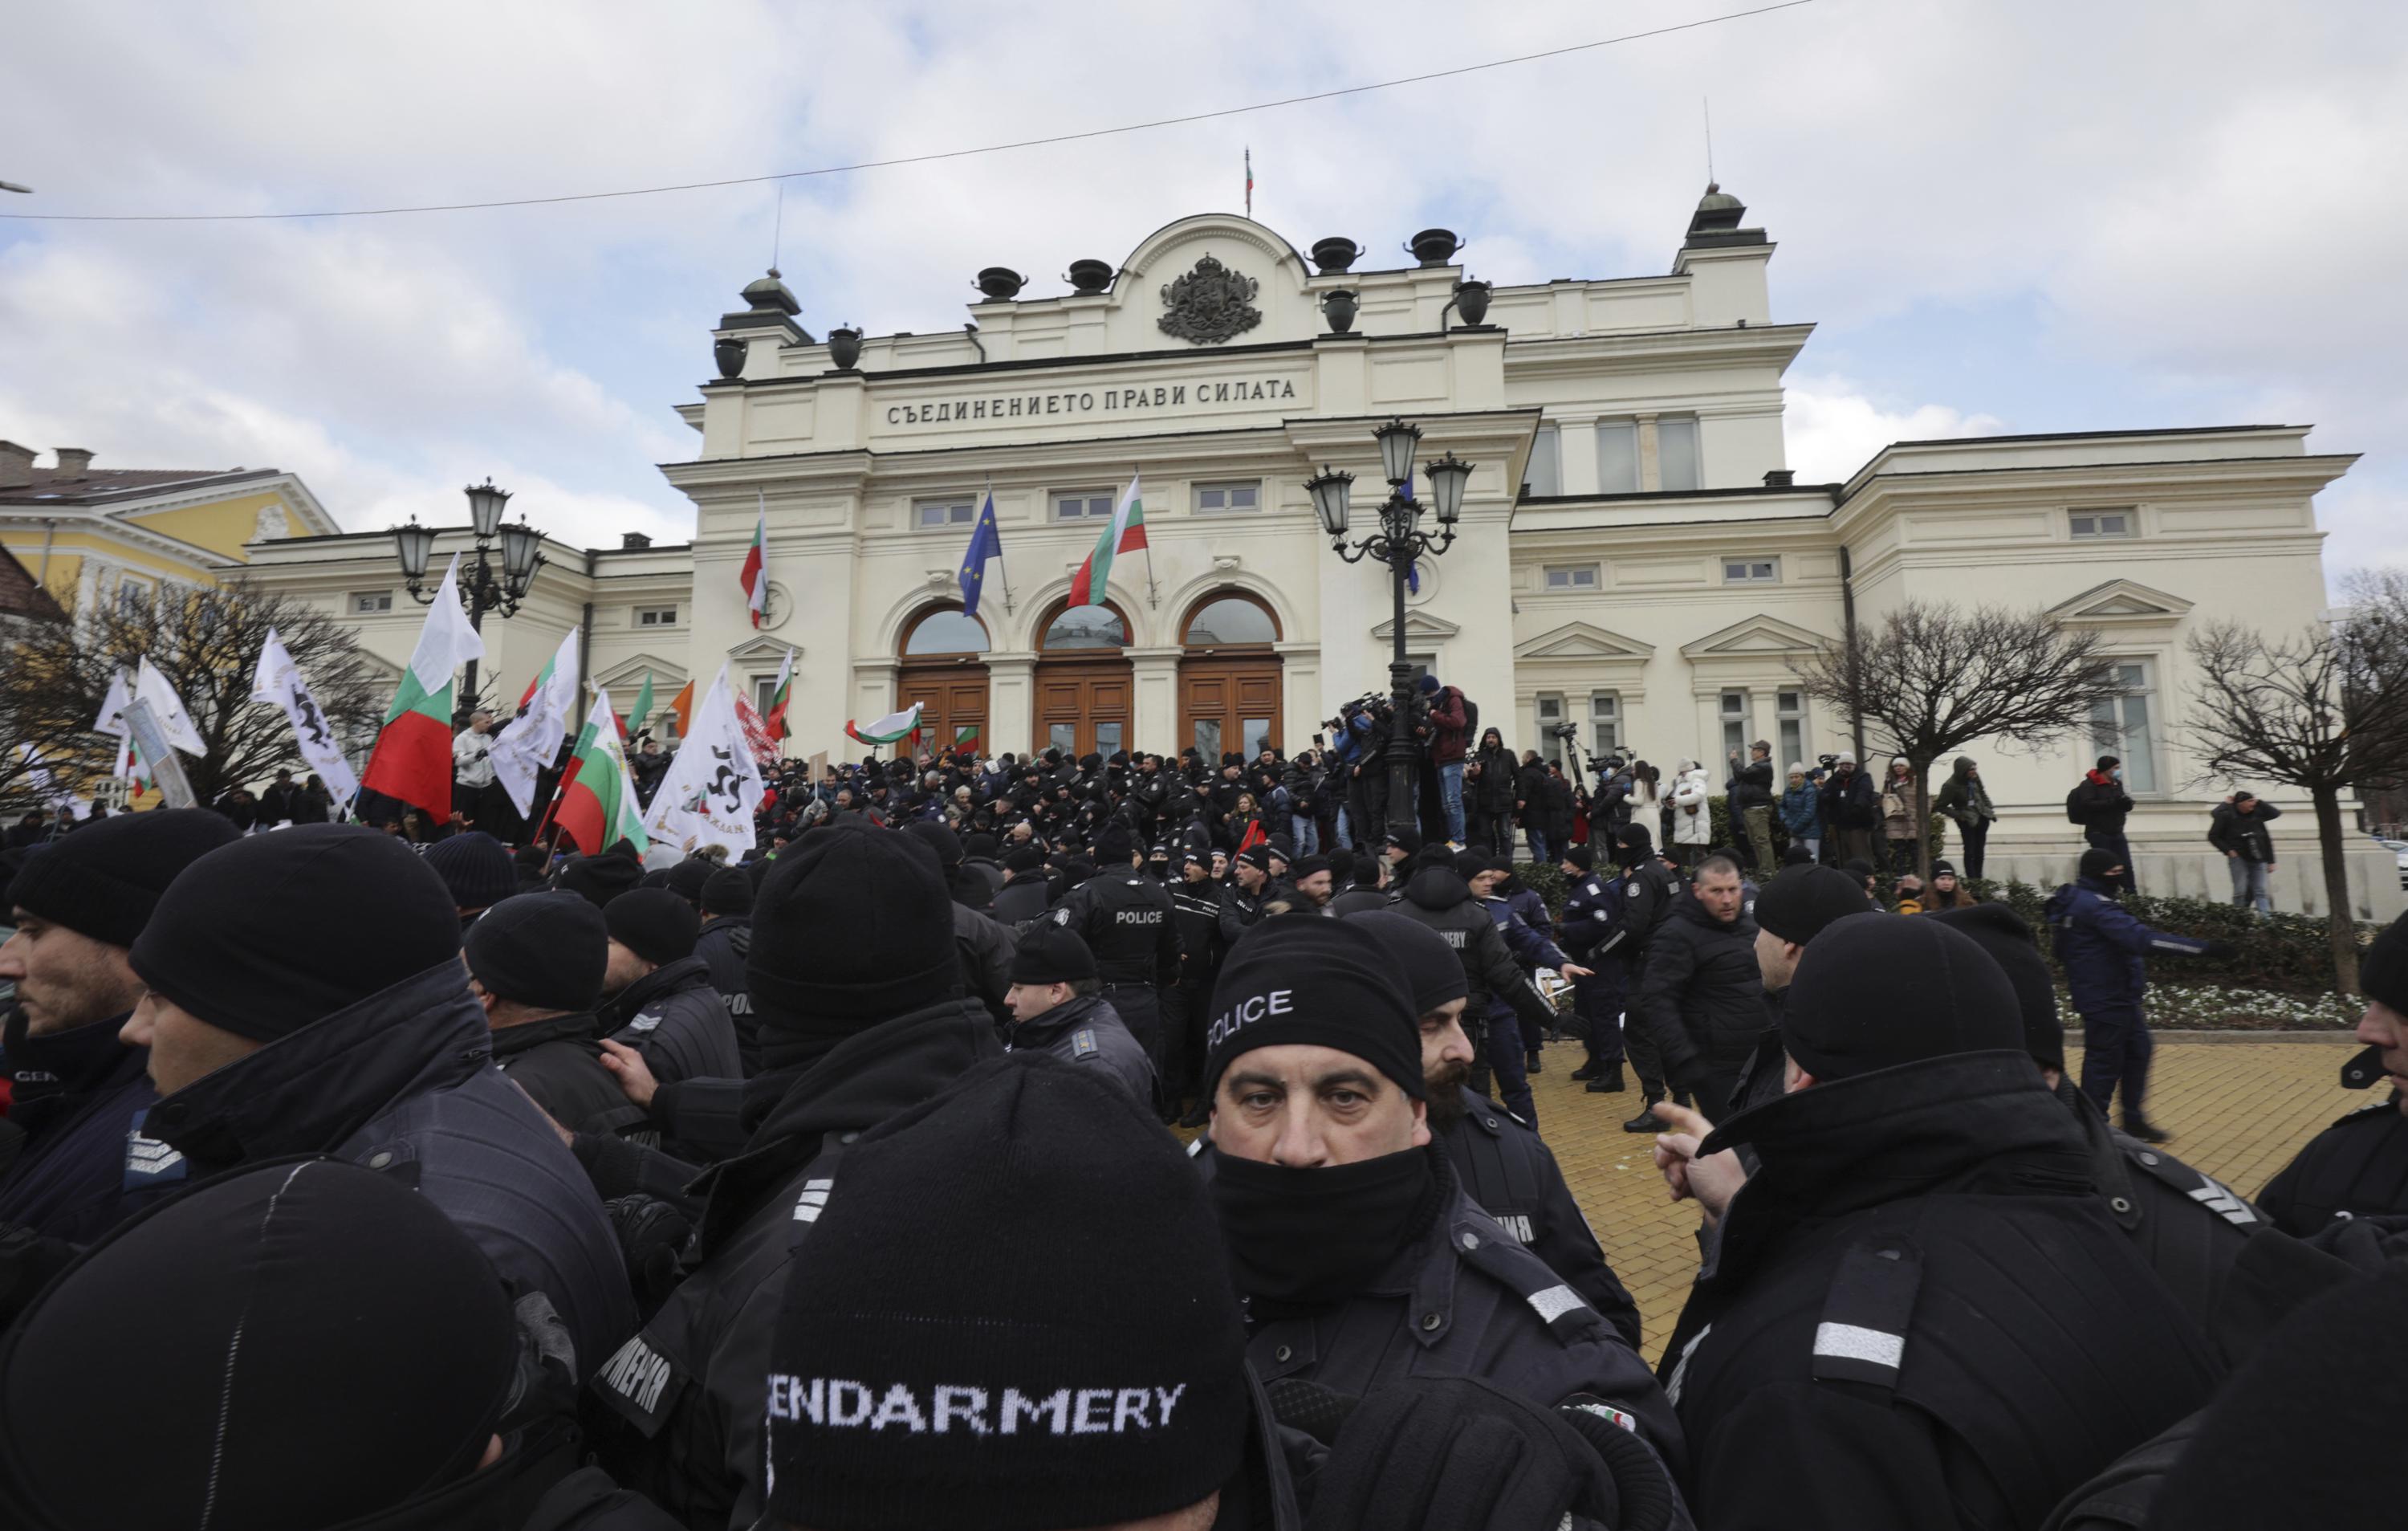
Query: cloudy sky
point(2003, 218)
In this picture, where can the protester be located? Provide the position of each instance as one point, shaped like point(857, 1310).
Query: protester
point(1693, 829)
point(1852, 809)
point(2236, 827)
point(1965, 801)
point(2099, 805)
point(1751, 800)
point(1801, 812)
point(1898, 824)
point(1700, 999)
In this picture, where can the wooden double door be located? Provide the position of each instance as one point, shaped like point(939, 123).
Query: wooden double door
point(1084, 706)
point(1229, 705)
point(952, 697)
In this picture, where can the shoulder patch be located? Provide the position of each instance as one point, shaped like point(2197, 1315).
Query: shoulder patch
point(1589, 1403)
point(644, 1023)
point(147, 1161)
point(1862, 1336)
point(1082, 1043)
point(1680, 1368)
point(641, 1385)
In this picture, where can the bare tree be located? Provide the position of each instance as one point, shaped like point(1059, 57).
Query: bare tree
point(1931, 678)
point(205, 643)
point(2323, 709)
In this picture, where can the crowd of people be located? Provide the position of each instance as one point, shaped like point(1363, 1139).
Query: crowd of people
point(1148, 1143)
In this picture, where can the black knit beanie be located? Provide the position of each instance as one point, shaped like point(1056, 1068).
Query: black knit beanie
point(1324, 983)
point(686, 879)
point(1013, 1312)
point(104, 880)
point(938, 838)
point(2098, 862)
point(1875, 990)
point(546, 950)
point(1432, 972)
point(1468, 864)
point(2381, 977)
point(654, 923)
point(1799, 902)
point(276, 930)
point(729, 891)
point(1114, 845)
point(321, 1342)
point(2000, 932)
point(601, 878)
point(475, 867)
point(854, 927)
point(1580, 856)
point(1050, 954)
point(981, 845)
point(1027, 859)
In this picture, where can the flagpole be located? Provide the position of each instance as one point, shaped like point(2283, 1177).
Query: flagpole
point(1153, 595)
point(998, 551)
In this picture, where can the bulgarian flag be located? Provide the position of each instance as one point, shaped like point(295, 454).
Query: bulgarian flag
point(597, 803)
point(1126, 534)
point(774, 722)
point(892, 729)
point(966, 734)
point(755, 576)
point(412, 760)
point(636, 719)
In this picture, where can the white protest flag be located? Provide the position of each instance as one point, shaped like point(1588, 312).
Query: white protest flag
point(127, 763)
point(43, 782)
point(532, 741)
point(152, 687)
point(714, 784)
point(278, 681)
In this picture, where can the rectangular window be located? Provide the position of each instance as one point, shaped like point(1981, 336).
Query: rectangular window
point(763, 688)
point(1551, 712)
point(1081, 506)
point(133, 596)
point(1792, 705)
point(1108, 739)
point(2123, 728)
point(369, 603)
point(1751, 572)
point(1617, 458)
point(1738, 723)
point(932, 515)
point(1604, 723)
point(1677, 468)
point(2087, 525)
point(1545, 475)
point(1566, 577)
point(656, 616)
point(1214, 499)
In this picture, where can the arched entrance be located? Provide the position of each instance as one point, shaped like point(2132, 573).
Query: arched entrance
point(944, 669)
point(1229, 693)
point(1084, 685)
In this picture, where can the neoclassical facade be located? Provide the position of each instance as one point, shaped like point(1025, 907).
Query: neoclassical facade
point(1633, 557)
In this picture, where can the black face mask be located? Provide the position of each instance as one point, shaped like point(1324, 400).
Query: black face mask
point(1315, 1236)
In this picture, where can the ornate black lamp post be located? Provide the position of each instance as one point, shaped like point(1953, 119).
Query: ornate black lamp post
point(481, 590)
point(1399, 542)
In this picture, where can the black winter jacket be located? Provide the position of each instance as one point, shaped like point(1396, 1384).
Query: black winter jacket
point(83, 1166)
point(724, 943)
point(1850, 801)
point(1700, 995)
point(559, 1065)
point(675, 1018)
point(2245, 837)
point(405, 1077)
point(1436, 898)
point(1752, 786)
point(677, 1411)
point(1918, 1314)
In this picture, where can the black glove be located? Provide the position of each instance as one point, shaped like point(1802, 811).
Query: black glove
point(652, 1236)
point(2222, 951)
point(1453, 1453)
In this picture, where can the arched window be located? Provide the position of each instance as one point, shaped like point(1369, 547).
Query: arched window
point(1086, 627)
point(945, 629)
point(1226, 621)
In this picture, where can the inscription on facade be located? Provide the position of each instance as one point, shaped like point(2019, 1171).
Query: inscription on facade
point(1190, 397)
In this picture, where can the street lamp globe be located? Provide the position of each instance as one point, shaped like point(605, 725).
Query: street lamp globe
point(522, 554)
point(415, 545)
point(1331, 492)
point(1447, 478)
point(485, 505)
point(1397, 443)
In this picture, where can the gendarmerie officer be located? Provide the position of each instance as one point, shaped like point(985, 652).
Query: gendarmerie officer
point(2357, 1167)
point(1917, 1314)
point(2187, 1225)
point(1057, 1008)
point(661, 1000)
point(1437, 897)
point(1360, 1254)
point(1126, 919)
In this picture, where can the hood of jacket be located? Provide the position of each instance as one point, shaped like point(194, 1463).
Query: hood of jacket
point(1963, 766)
point(669, 978)
point(580, 1026)
point(309, 1091)
point(1438, 888)
point(1687, 907)
point(1978, 1123)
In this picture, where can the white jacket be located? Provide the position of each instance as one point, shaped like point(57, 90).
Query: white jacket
point(1693, 791)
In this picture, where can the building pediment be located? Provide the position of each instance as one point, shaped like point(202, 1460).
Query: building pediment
point(628, 673)
point(1420, 628)
point(2122, 600)
point(1582, 641)
point(756, 650)
point(1754, 637)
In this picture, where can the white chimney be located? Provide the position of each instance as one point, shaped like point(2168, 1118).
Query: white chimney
point(74, 463)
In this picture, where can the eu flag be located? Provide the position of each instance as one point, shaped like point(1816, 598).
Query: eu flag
point(985, 543)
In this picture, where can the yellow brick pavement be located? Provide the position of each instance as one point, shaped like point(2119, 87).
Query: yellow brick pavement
point(2238, 1110)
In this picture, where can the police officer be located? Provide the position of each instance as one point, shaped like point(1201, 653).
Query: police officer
point(1883, 1330)
point(2102, 951)
point(1500, 1158)
point(1592, 905)
point(1126, 919)
point(1241, 896)
point(2357, 1167)
point(659, 998)
point(727, 937)
point(1361, 1256)
point(1647, 891)
point(1513, 1045)
point(1196, 913)
point(1436, 896)
point(534, 964)
point(1057, 1007)
point(982, 943)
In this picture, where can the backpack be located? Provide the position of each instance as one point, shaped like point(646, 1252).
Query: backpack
point(1470, 720)
point(2074, 811)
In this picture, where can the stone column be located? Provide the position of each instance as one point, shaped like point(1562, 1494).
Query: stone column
point(1011, 703)
point(1153, 712)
